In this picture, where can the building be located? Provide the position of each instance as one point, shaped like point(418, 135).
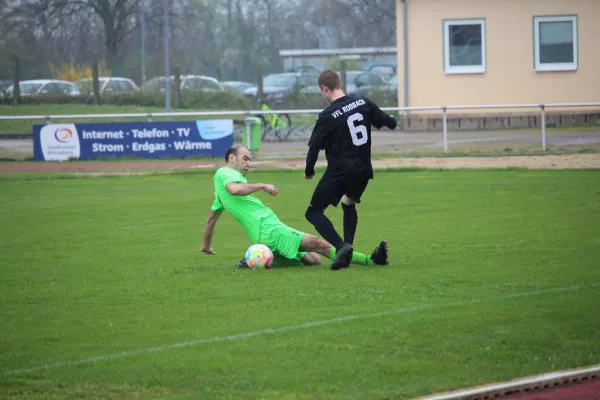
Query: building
point(491, 52)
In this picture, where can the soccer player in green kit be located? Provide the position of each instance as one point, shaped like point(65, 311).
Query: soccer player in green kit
point(235, 195)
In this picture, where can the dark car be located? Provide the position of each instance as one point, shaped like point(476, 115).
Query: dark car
point(279, 87)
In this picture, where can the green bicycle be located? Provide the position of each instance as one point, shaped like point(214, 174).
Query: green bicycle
point(275, 126)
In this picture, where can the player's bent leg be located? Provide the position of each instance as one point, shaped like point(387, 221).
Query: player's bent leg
point(311, 258)
point(378, 257)
point(281, 261)
point(341, 259)
point(312, 244)
point(350, 219)
point(316, 216)
point(359, 258)
point(323, 225)
point(288, 244)
point(301, 258)
point(356, 184)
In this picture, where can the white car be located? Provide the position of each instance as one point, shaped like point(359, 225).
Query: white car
point(193, 82)
point(112, 84)
point(37, 87)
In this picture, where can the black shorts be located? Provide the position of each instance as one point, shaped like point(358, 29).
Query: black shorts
point(336, 183)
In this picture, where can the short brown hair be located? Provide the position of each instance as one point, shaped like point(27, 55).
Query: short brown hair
point(233, 150)
point(330, 79)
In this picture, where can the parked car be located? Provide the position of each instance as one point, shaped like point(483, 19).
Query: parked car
point(302, 68)
point(111, 84)
point(237, 86)
point(387, 70)
point(278, 87)
point(358, 82)
point(37, 87)
point(193, 82)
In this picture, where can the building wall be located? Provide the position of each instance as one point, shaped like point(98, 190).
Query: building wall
point(510, 76)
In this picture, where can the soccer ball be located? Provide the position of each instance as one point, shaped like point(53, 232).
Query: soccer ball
point(259, 256)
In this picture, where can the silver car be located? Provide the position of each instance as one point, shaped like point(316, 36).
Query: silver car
point(38, 87)
point(112, 84)
point(192, 82)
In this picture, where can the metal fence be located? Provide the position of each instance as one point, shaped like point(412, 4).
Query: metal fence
point(244, 120)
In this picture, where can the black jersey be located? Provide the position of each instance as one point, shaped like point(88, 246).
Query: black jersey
point(343, 130)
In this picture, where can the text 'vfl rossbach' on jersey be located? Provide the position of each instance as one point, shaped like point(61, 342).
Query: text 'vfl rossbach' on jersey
point(343, 130)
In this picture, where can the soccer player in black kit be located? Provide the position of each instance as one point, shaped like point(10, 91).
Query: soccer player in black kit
point(343, 130)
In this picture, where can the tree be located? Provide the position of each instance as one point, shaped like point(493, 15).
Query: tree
point(228, 39)
point(48, 18)
point(116, 20)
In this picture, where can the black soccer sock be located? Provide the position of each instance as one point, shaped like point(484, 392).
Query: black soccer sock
point(324, 226)
point(350, 222)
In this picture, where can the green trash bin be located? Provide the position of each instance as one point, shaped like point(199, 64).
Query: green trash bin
point(255, 133)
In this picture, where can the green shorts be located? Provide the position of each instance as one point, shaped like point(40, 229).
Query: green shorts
point(283, 241)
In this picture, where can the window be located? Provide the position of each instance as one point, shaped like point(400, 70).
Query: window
point(126, 86)
point(189, 83)
point(65, 88)
point(113, 86)
point(52, 87)
point(208, 84)
point(362, 80)
point(30, 88)
point(376, 80)
point(368, 78)
point(464, 46)
point(555, 43)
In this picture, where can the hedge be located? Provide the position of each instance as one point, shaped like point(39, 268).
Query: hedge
point(198, 100)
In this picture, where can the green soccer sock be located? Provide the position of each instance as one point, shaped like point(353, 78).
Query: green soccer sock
point(357, 258)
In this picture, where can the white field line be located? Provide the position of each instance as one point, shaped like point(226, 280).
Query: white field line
point(270, 331)
point(519, 384)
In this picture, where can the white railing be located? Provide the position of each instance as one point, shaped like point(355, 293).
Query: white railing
point(444, 109)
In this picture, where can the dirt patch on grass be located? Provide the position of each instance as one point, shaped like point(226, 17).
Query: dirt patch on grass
point(536, 162)
point(570, 161)
point(551, 162)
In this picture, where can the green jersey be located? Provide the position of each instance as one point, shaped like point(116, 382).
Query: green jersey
point(248, 210)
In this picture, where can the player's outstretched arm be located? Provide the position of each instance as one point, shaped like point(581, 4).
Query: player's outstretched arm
point(315, 145)
point(209, 229)
point(381, 119)
point(244, 189)
point(311, 160)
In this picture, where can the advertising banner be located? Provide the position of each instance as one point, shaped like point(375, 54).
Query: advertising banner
point(161, 139)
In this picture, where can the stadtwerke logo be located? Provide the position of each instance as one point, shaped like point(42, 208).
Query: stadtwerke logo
point(59, 142)
point(63, 134)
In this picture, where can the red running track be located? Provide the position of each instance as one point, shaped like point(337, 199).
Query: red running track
point(99, 166)
point(587, 390)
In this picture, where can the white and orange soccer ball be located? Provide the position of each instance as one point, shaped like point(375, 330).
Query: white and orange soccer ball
point(259, 256)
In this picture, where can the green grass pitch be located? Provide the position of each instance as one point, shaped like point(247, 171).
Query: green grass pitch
point(494, 275)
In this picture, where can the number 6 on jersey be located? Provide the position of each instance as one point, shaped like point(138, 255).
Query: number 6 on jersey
point(358, 132)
